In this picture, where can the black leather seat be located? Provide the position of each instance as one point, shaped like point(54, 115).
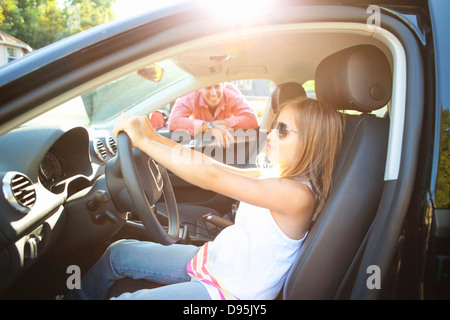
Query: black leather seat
point(286, 91)
point(357, 78)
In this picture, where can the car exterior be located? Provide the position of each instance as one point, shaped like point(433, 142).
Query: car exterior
point(59, 104)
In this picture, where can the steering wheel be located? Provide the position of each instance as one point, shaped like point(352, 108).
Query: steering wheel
point(143, 193)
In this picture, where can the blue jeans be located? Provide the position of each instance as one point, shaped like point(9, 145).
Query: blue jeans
point(143, 260)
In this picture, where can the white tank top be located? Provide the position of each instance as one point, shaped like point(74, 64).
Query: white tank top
point(248, 260)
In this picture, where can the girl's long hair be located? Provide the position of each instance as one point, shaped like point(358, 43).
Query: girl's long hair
point(320, 130)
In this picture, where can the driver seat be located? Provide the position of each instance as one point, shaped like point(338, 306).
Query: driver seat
point(357, 78)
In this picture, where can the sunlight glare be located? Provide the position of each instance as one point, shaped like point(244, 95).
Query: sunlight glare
point(242, 11)
point(126, 8)
point(227, 11)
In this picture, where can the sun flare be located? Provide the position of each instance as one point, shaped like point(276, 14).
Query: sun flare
point(126, 8)
point(240, 11)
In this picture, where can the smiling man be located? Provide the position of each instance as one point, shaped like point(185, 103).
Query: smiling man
point(216, 109)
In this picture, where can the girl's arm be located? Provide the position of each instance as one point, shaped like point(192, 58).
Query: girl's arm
point(188, 152)
point(282, 196)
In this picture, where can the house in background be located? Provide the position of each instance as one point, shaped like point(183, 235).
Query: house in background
point(11, 48)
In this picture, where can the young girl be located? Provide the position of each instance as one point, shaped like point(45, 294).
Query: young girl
point(250, 259)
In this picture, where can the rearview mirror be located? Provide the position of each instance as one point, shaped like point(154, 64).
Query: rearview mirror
point(152, 73)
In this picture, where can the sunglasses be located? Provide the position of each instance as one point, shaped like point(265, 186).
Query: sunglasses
point(282, 128)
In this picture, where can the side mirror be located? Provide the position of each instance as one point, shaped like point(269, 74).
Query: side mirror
point(152, 73)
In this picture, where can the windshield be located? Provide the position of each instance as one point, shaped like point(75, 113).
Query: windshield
point(108, 101)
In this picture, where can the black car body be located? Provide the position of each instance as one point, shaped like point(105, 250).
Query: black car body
point(405, 244)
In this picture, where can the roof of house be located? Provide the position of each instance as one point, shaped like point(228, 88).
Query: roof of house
point(8, 39)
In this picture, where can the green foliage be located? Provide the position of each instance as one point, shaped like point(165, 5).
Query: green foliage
point(41, 22)
point(443, 180)
point(84, 14)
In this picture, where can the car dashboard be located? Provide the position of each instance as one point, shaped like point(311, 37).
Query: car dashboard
point(40, 168)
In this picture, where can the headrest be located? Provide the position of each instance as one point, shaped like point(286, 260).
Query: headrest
point(286, 91)
point(357, 78)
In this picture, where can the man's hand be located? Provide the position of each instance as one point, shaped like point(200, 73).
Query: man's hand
point(223, 137)
point(220, 131)
point(222, 124)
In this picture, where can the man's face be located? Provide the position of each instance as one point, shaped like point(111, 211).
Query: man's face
point(213, 95)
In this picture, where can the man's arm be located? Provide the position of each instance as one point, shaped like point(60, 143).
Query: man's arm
point(244, 116)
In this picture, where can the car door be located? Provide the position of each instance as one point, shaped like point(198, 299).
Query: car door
point(437, 221)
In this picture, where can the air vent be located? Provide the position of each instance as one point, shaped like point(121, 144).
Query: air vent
point(19, 191)
point(100, 149)
point(112, 146)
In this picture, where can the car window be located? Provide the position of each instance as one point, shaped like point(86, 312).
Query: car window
point(106, 102)
point(257, 93)
point(310, 90)
point(443, 178)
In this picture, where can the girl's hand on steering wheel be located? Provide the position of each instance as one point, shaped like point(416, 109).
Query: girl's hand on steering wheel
point(138, 128)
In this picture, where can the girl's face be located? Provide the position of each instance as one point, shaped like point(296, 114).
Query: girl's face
point(282, 141)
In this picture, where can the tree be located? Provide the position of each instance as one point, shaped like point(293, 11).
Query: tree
point(5, 7)
point(80, 15)
point(41, 22)
point(34, 22)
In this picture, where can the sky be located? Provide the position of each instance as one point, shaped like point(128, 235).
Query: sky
point(124, 8)
point(225, 9)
